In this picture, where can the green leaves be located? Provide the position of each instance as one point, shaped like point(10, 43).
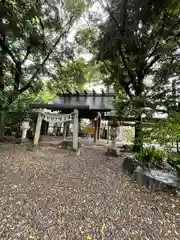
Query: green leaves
point(86, 39)
point(151, 158)
point(74, 75)
point(164, 131)
point(33, 36)
point(174, 161)
point(76, 7)
point(134, 38)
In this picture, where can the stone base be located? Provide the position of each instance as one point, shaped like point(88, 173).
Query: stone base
point(129, 165)
point(68, 144)
point(112, 152)
point(125, 148)
point(78, 151)
point(24, 141)
point(155, 179)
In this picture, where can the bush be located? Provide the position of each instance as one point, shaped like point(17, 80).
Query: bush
point(151, 158)
point(174, 162)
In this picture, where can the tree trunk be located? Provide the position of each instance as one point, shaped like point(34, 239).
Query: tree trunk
point(2, 124)
point(138, 140)
point(2, 112)
point(177, 146)
point(138, 143)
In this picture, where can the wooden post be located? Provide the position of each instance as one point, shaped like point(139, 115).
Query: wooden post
point(65, 128)
point(38, 129)
point(89, 138)
point(108, 133)
point(75, 130)
point(95, 130)
point(98, 127)
point(50, 128)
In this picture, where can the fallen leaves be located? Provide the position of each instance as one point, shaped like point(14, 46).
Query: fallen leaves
point(51, 194)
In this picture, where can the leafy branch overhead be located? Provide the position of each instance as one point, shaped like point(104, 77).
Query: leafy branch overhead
point(74, 75)
point(33, 33)
point(135, 41)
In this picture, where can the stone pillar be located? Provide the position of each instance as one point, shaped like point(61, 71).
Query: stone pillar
point(38, 129)
point(113, 138)
point(25, 127)
point(79, 127)
point(75, 130)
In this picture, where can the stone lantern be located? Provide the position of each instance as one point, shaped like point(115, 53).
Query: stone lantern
point(25, 127)
point(112, 151)
point(113, 135)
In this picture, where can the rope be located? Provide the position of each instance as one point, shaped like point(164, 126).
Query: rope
point(57, 118)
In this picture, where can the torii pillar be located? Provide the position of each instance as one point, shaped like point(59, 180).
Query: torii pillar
point(75, 130)
point(38, 129)
point(98, 125)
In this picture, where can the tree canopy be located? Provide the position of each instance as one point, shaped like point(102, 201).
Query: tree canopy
point(73, 75)
point(134, 46)
point(139, 41)
point(33, 37)
point(33, 41)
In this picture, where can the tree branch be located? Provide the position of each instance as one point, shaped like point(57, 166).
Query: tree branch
point(28, 51)
point(154, 60)
point(17, 77)
point(17, 63)
point(122, 32)
point(125, 63)
point(125, 16)
point(107, 67)
point(39, 68)
point(162, 26)
point(7, 50)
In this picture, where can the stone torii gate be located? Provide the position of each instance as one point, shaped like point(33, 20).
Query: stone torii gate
point(57, 118)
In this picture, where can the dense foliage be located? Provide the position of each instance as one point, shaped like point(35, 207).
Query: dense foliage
point(165, 131)
point(73, 75)
point(133, 44)
point(138, 44)
point(151, 158)
point(33, 42)
point(174, 162)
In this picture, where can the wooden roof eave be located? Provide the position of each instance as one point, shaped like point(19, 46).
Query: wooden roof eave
point(59, 106)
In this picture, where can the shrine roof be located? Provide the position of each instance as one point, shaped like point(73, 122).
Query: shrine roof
point(92, 101)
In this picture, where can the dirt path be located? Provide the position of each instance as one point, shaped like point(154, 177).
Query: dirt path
point(51, 194)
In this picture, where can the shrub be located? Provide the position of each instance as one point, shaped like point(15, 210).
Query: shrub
point(174, 162)
point(151, 158)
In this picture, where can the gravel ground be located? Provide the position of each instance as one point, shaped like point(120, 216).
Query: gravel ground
point(51, 194)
